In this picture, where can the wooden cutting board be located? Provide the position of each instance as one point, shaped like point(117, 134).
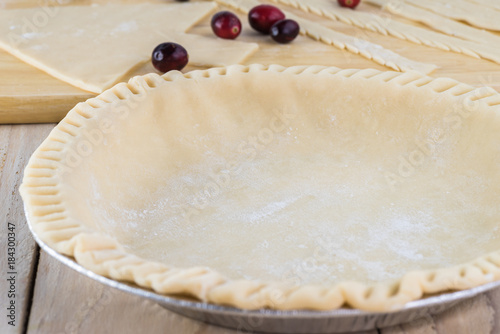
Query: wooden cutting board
point(28, 95)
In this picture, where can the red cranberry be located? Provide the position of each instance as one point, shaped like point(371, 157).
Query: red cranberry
point(349, 3)
point(226, 25)
point(262, 17)
point(285, 31)
point(169, 56)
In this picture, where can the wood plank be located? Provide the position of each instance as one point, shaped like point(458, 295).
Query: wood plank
point(494, 300)
point(478, 315)
point(67, 302)
point(420, 326)
point(17, 143)
point(26, 92)
point(472, 316)
point(29, 95)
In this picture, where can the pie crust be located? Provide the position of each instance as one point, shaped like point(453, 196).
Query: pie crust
point(249, 169)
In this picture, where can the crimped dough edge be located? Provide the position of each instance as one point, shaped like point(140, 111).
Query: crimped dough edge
point(103, 255)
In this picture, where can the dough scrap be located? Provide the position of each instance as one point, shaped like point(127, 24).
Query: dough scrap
point(437, 22)
point(388, 26)
point(92, 47)
point(355, 45)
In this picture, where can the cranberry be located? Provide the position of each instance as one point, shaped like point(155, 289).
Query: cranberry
point(285, 31)
point(262, 17)
point(169, 56)
point(226, 25)
point(349, 3)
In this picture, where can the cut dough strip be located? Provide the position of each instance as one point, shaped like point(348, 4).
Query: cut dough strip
point(92, 47)
point(388, 26)
point(487, 3)
point(463, 11)
point(328, 36)
point(437, 22)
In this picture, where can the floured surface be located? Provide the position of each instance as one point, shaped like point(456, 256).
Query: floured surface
point(309, 217)
point(388, 26)
point(342, 41)
point(92, 47)
point(438, 22)
point(487, 3)
point(462, 10)
point(29, 95)
point(293, 185)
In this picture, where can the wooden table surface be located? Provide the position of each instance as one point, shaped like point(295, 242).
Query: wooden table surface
point(51, 298)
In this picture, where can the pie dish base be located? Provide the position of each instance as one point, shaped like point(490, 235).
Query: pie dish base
point(105, 256)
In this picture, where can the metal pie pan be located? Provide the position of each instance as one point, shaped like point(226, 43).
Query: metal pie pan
point(273, 321)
